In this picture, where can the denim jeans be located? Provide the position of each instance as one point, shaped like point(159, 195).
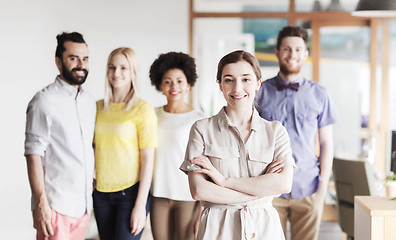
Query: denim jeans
point(113, 212)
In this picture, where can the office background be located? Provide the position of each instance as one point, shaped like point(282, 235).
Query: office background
point(341, 50)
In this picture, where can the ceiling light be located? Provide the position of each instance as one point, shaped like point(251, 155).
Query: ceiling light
point(378, 8)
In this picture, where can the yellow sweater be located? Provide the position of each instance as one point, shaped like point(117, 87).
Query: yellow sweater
point(119, 135)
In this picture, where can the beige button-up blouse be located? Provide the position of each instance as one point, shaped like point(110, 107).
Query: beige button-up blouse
point(219, 140)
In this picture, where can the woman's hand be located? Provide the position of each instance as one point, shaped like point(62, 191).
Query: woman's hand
point(275, 166)
point(209, 170)
point(138, 219)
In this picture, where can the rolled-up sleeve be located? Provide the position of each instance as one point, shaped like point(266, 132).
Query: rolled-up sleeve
point(282, 148)
point(38, 127)
point(195, 148)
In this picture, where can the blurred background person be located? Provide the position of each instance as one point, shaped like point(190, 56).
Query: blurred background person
point(125, 141)
point(174, 214)
point(60, 121)
point(304, 107)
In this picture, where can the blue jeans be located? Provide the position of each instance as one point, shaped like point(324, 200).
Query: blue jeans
point(113, 213)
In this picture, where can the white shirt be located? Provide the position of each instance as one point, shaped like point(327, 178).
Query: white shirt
point(173, 131)
point(59, 127)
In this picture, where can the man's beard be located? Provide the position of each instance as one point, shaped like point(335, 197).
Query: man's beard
point(74, 80)
point(287, 70)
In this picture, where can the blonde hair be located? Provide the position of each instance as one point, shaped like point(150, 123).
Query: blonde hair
point(134, 93)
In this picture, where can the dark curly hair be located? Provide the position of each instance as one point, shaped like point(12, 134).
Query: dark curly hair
point(173, 60)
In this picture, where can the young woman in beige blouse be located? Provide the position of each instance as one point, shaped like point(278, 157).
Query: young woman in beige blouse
point(237, 161)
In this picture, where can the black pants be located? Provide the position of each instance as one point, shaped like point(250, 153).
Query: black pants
point(113, 213)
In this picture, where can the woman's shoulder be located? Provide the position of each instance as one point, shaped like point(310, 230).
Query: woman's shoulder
point(274, 124)
point(143, 105)
point(274, 128)
point(142, 102)
point(205, 123)
point(100, 104)
point(202, 123)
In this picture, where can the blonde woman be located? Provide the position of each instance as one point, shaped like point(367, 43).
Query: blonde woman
point(237, 161)
point(125, 140)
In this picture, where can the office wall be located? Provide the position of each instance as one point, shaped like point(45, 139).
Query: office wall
point(27, 45)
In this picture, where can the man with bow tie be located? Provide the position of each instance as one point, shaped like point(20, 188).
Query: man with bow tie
point(305, 109)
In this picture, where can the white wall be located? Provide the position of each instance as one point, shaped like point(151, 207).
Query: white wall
point(27, 47)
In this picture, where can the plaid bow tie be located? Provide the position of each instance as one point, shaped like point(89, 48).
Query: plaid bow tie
point(282, 85)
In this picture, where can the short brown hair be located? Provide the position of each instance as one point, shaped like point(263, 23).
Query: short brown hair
point(235, 57)
point(290, 31)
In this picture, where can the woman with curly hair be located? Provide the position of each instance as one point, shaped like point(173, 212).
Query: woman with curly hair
point(173, 214)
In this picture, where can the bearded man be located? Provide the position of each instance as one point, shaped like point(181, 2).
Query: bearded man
point(305, 109)
point(59, 131)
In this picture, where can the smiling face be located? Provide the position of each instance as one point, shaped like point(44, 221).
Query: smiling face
point(119, 72)
point(292, 54)
point(174, 85)
point(239, 85)
point(73, 66)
